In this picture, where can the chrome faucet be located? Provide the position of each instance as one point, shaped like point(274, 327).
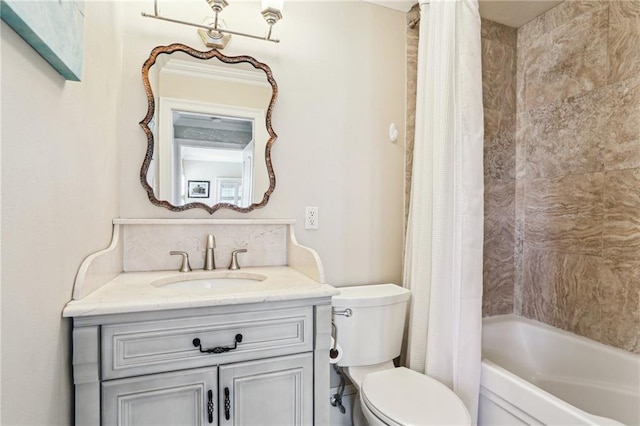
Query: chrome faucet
point(209, 258)
point(185, 267)
point(234, 259)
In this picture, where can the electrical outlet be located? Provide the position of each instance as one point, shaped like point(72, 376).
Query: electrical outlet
point(311, 218)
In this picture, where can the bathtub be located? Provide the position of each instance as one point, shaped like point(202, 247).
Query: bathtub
point(534, 374)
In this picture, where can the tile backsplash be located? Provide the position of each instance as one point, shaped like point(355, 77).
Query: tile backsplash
point(147, 246)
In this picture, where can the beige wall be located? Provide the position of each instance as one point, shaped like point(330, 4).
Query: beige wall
point(214, 91)
point(59, 195)
point(578, 161)
point(71, 154)
point(340, 70)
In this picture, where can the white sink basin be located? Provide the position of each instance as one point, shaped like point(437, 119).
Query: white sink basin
point(212, 281)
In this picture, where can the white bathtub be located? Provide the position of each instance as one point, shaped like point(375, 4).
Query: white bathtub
point(534, 374)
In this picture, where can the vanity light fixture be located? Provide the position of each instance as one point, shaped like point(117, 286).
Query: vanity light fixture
point(213, 30)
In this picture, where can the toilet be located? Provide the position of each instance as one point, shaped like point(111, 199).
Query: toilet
point(370, 325)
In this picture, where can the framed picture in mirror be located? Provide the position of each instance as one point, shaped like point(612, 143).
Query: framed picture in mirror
point(198, 188)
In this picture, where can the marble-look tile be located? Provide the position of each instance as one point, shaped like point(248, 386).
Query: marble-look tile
point(497, 32)
point(577, 193)
point(499, 98)
point(578, 288)
point(587, 295)
point(620, 302)
point(568, 60)
point(622, 214)
point(518, 252)
point(499, 145)
point(499, 90)
point(413, 17)
point(499, 213)
point(562, 289)
point(538, 290)
point(565, 214)
point(499, 268)
point(568, 137)
point(498, 277)
point(624, 39)
point(412, 82)
point(622, 150)
point(498, 73)
point(570, 10)
point(521, 82)
point(556, 17)
point(146, 247)
point(492, 121)
point(522, 131)
point(530, 32)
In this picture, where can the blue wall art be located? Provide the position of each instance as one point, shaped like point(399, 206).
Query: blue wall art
point(54, 28)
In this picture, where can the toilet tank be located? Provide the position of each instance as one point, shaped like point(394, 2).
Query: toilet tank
point(373, 333)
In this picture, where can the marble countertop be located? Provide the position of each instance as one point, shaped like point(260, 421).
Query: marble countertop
point(136, 292)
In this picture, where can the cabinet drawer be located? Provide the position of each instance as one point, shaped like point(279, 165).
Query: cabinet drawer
point(133, 349)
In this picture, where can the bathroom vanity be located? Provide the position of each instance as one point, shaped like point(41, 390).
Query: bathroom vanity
point(155, 346)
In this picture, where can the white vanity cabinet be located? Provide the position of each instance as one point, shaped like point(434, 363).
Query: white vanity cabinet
point(250, 364)
point(168, 399)
point(276, 391)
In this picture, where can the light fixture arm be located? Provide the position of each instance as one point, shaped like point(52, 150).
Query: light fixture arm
point(270, 15)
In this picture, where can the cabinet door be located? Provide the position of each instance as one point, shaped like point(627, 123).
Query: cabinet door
point(182, 398)
point(275, 391)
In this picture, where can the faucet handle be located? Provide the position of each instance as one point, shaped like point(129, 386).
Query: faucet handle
point(234, 259)
point(185, 267)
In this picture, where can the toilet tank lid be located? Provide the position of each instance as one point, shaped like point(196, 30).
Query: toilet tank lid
point(370, 295)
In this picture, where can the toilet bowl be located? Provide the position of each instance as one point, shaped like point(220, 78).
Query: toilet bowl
point(371, 337)
point(401, 396)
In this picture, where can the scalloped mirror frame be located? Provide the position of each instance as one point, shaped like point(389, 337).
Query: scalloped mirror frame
point(177, 47)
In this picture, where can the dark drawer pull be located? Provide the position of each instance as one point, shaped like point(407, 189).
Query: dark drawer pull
point(218, 349)
point(210, 406)
point(227, 404)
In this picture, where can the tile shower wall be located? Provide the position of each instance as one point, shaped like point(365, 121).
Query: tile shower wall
point(562, 168)
point(413, 32)
point(499, 100)
point(577, 193)
point(499, 91)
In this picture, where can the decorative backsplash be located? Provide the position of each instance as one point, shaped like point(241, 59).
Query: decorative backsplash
point(141, 245)
point(147, 244)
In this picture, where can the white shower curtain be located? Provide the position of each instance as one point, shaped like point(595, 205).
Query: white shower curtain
point(443, 253)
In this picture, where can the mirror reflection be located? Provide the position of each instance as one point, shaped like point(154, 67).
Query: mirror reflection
point(213, 159)
point(209, 130)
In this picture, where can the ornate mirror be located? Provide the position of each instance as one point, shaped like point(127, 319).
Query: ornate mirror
point(208, 128)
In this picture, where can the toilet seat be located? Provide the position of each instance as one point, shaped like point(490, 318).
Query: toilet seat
point(404, 397)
